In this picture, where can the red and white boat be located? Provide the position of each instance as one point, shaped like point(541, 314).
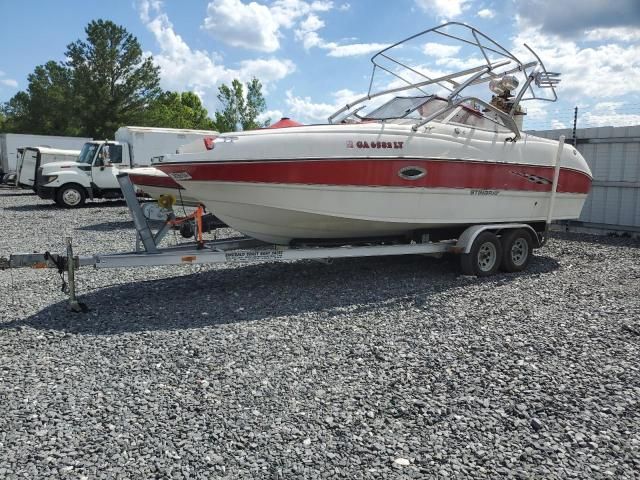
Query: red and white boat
point(413, 165)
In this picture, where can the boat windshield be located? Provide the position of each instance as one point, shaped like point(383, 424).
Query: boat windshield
point(398, 107)
point(87, 153)
point(421, 107)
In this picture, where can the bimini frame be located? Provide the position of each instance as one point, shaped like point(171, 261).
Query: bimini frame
point(534, 72)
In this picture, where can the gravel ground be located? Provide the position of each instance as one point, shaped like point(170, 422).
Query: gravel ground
point(365, 368)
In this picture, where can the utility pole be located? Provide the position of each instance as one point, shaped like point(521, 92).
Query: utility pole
point(575, 123)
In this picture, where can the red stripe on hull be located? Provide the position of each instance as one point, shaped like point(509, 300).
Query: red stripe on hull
point(384, 172)
point(142, 180)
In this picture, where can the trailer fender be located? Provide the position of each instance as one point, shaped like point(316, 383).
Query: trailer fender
point(467, 238)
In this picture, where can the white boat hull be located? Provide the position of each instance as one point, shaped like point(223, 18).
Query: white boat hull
point(279, 213)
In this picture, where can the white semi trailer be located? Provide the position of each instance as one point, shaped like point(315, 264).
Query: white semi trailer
point(94, 173)
point(12, 145)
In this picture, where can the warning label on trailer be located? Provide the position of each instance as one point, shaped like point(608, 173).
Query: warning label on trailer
point(249, 255)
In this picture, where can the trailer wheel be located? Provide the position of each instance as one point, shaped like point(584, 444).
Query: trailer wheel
point(485, 256)
point(516, 250)
point(71, 196)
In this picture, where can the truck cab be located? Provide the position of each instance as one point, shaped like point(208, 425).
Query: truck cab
point(93, 175)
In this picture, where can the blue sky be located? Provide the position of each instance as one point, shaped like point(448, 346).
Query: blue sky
point(313, 55)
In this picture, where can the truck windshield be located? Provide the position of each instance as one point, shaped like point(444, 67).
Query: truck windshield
point(87, 153)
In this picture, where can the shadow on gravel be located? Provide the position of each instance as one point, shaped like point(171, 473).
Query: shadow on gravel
point(262, 291)
point(53, 206)
point(107, 226)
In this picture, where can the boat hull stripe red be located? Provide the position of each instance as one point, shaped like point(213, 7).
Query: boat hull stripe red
point(154, 181)
point(385, 173)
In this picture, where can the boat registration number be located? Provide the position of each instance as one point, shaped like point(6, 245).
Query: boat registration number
point(365, 144)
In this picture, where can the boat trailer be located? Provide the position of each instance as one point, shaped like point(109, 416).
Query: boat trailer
point(148, 251)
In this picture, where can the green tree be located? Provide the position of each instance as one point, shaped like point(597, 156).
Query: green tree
point(16, 112)
point(255, 105)
point(112, 81)
point(45, 106)
point(177, 110)
point(240, 112)
point(105, 83)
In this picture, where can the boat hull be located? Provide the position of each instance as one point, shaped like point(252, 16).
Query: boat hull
point(280, 213)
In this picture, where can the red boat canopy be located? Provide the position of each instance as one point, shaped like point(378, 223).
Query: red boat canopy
point(285, 122)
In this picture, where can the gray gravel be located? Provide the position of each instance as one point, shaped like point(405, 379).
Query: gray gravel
point(366, 368)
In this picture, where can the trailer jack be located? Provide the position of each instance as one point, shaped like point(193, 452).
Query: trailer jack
point(72, 264)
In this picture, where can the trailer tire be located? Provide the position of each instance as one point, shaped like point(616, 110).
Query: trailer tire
point(516, 250)
point(485, 256)
point(71, 195)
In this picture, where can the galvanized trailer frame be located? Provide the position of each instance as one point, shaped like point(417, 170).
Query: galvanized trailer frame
point(148, 251)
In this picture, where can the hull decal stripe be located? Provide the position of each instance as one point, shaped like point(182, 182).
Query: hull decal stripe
point(385, 173)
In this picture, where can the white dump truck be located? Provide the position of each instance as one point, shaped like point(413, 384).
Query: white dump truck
point(93, 174)
point(13, 144)
point(33, 158)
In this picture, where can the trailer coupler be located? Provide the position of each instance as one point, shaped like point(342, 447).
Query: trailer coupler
point(64, 264)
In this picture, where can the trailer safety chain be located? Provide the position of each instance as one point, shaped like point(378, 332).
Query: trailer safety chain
point(61, 265)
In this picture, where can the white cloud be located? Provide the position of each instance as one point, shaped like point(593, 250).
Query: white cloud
point(443, 8)
point(486, 13)
point(305, 110)
point(353, 49)
point(9, 82)
point(267, 70)
point(321, 6)
point(536, 111)
point(622, 34)
point(307, 32)
point(311, 24)
point(250, 26)
point(146, 7)
point(610, 107)
point(600, 72)
point(440, 50)
point(591, 119)
point(344, 7)
point(614, 113)
point(254, 25)
point(185, 68)
point(272, 115)
point(557, 125)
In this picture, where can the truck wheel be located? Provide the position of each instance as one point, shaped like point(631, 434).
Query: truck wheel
point(71, 196)
point(516, 250)
point(485, 256)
